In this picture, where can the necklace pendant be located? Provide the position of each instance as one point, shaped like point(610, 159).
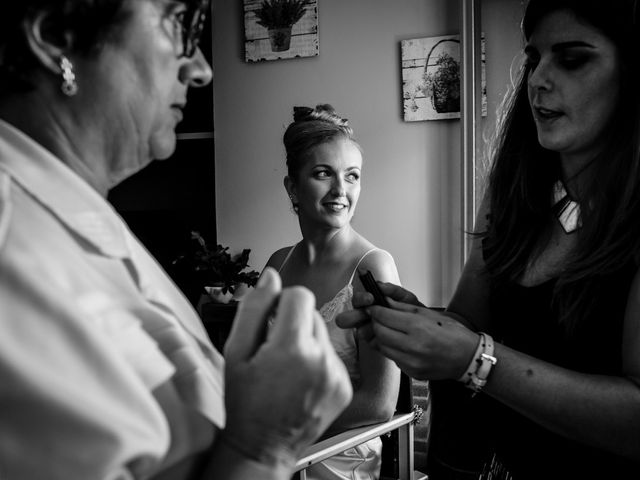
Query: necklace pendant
point(567, 211)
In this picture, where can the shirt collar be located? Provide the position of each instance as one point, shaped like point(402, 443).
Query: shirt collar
point(58, 188)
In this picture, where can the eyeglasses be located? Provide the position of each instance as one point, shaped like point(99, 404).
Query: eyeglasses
point(192, 25)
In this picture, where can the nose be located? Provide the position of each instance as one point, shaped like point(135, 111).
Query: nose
point(540, 77)
point(196, 71)
point(338, 187)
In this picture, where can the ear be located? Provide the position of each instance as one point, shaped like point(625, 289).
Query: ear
point(46, 39)
point(289, 186)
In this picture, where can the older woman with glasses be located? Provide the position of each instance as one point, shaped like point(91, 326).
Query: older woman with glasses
point(105, 369)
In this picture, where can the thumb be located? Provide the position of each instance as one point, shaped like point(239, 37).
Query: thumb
point(250, 323)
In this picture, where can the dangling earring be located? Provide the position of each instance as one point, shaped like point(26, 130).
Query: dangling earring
point(293, 204)
point(69, 86)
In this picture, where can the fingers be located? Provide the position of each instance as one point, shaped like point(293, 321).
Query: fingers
point(390, 318)
point(295, 376)
point(320, 329)
point(404, 307)
point(399, 299)
point(396, 292)
point(362, 299)
point(392, 290)
point(249, 325)
point(294, 321)
point(352, 319)
point(366, 333)
point(389, 335)
point(392, 328)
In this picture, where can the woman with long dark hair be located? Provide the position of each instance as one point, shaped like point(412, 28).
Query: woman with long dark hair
point(545, 321)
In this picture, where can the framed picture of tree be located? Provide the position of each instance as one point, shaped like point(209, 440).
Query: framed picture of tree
point(431, 78)
point(276, 29)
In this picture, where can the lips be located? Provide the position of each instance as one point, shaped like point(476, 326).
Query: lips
point(543, 113)
point(335, 206)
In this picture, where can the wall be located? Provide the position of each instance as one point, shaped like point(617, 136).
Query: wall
point(410, 200)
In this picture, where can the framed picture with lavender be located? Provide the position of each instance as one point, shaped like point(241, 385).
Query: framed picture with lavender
point(431, 78)
point(277, 29)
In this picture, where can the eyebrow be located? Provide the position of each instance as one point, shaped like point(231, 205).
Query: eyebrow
point(556, 47)
point(326, 165)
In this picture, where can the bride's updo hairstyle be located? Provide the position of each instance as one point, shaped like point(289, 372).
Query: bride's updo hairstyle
point(310, 128)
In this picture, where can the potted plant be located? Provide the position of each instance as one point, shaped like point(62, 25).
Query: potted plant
point(443, 84)
point(278, 17)
point(217, 272)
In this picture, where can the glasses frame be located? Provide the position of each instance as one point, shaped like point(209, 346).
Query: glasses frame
point(192, 27)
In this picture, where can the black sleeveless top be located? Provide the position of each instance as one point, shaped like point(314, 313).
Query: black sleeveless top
point(467, 431)
point(526, 321)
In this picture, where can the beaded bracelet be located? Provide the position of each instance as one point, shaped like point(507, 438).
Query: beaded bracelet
point(475, 377)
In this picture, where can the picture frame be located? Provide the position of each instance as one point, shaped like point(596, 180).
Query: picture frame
point(280, 29)
point(431, 78)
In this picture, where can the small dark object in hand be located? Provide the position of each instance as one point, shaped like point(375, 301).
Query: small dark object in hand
point(371, 286)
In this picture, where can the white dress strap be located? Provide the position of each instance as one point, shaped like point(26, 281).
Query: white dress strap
point(360, 261)
point(287, 257)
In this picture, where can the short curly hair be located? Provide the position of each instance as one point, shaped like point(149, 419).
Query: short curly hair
point(91, 21)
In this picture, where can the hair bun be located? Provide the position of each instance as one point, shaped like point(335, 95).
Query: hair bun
point(302, 114)
point(312, 127)
point(322, 112)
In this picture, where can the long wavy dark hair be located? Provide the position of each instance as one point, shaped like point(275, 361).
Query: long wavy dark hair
point(523, 174)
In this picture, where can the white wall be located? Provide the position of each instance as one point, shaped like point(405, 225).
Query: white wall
point(410, 201)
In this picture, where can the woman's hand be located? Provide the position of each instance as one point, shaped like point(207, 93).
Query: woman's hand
point(359, 316)
point(284, 384)
point(425, 344)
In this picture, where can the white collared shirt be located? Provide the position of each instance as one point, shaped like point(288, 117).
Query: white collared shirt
point(106, 371)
